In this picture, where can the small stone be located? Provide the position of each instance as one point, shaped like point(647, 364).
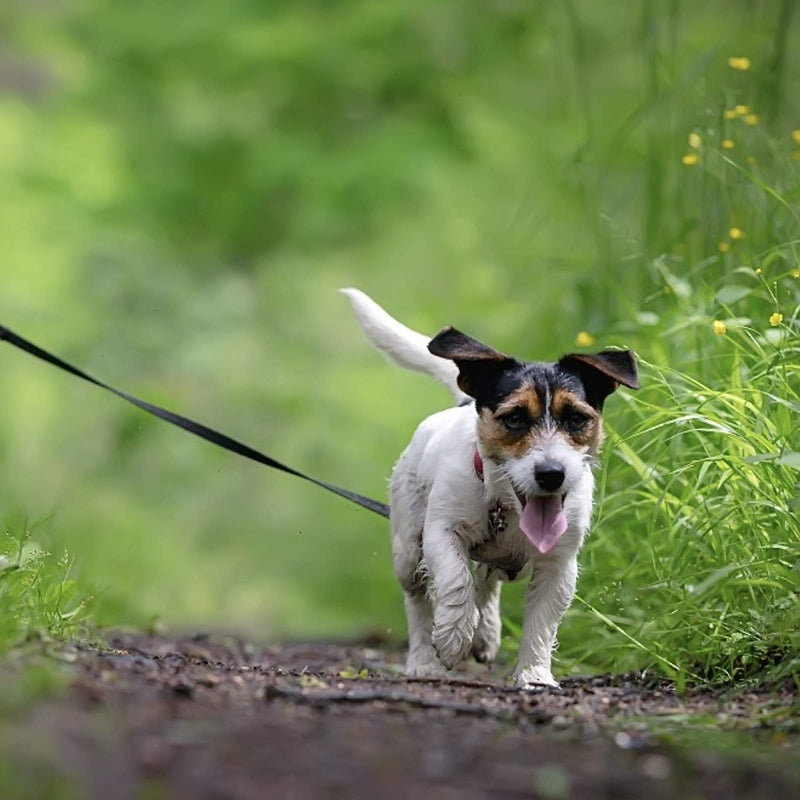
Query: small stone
point(183, 687)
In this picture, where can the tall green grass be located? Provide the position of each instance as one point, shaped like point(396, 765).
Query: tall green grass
point(696, 555)
point(694, 565)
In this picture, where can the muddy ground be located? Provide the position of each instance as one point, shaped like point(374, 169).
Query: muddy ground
point(213, 717)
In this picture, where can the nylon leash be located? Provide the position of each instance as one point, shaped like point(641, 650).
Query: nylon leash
point(195, 428)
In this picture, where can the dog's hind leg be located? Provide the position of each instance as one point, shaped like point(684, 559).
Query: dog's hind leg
point(486, 642)
point(407, 519)
point(421, 661)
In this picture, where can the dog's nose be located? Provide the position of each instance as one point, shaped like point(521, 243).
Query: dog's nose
point(549, 476)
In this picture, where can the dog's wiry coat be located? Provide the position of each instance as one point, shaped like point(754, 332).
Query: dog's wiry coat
point(536, 428)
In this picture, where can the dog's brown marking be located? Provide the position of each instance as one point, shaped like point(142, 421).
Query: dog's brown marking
point(590, 435)
point(564, 399)
point(526, 398)
point(498, 441)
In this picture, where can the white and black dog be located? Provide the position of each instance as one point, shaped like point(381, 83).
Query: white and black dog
point(503, 479)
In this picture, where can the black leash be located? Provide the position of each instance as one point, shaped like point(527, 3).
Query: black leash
point(209, 434)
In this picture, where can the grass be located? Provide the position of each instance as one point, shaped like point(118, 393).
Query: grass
point(698, 524)
point(39, 603)
point(694, 565)
point(38, 598)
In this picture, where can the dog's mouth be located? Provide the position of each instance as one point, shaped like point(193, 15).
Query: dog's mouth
point(543, 519)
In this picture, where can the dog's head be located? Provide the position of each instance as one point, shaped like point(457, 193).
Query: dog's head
point(538, 421)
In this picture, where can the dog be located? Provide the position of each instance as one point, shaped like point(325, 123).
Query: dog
point(503, 479)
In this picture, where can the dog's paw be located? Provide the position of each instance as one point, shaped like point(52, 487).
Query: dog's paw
point(534, 677)
point(486, 642)
point(452, 638)
point(485, 652)
point(452, 647)
point(424, 669)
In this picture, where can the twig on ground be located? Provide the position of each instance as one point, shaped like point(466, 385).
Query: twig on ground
point(320, 699)
point(473, 684)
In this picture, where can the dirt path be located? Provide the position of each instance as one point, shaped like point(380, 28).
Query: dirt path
point(197, 718)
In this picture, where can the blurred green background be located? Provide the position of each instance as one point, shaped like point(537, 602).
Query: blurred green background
point(186, 185)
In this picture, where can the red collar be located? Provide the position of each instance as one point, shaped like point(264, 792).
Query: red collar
point(478, 462)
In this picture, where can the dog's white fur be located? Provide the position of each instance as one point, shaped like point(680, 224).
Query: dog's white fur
point(439, 514)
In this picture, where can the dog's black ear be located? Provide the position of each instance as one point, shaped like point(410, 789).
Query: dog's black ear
point(479, 365)
point(601, 373)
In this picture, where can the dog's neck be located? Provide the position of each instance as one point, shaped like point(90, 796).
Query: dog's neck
point(496, 486)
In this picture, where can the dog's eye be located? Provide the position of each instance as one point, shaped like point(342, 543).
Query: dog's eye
point(575, 420)
point(515, 421)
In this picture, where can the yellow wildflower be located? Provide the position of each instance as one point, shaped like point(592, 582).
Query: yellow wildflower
point(742, 63)
point(758, 270)
point(729, 113)
point(694, 140)
point(796, 155)
point(728, 144)
point(751, 119)
point(796, 135)
point(795, 273)
point(776, 319)
point(584, 339)
point(690, 159)
point(751, 159)
point(723, 247)
point(720, 328)
point(742, 110)
point(736, 233)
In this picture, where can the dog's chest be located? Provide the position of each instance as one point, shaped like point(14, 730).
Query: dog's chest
point(500, 545)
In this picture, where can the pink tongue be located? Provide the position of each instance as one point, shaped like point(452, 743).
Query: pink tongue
point(543, 521)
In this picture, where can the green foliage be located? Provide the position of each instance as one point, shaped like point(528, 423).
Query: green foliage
point(37, 596)
point(699, 526)
point(185, 189)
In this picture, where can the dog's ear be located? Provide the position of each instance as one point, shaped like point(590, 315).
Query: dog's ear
point(602, 372)
point(479, 365)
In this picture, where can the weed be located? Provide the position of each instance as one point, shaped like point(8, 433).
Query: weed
point(38, 598)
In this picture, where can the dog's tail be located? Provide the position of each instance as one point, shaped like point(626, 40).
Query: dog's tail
point(400, 344)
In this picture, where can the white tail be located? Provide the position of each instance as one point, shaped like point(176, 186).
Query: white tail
point(400, 344)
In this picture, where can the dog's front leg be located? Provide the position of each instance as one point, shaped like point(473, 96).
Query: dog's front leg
point(549, 596)
point(454, 613)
